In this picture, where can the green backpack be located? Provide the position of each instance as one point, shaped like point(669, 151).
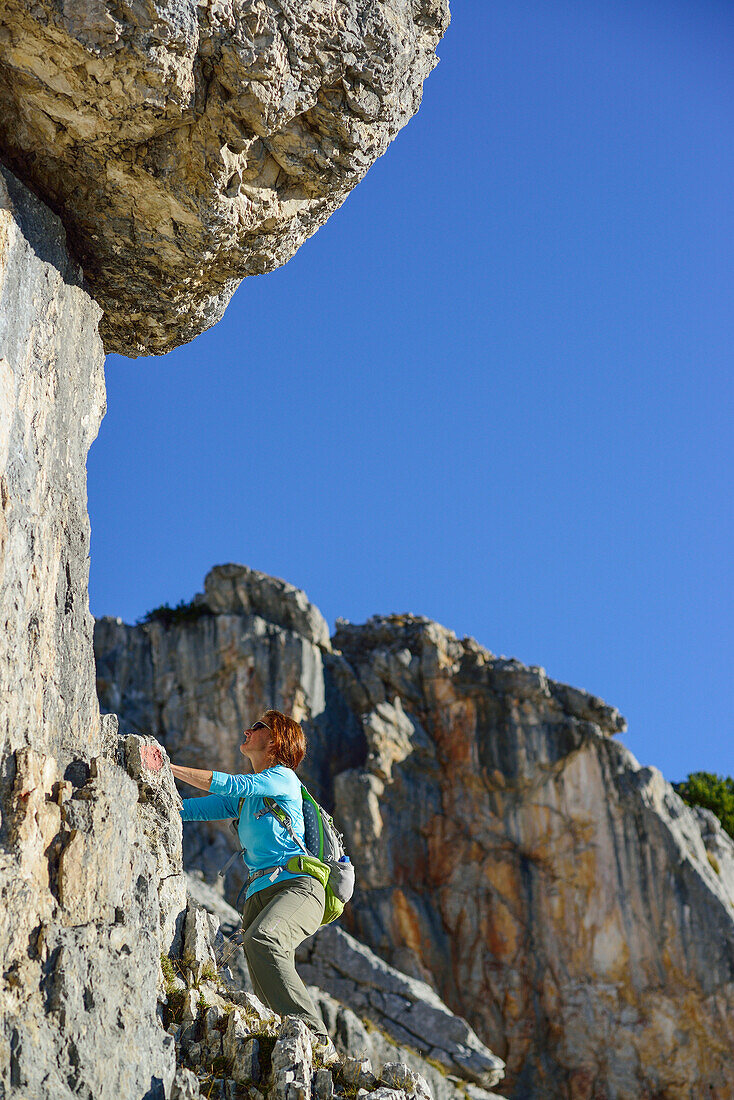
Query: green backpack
point(323, 856)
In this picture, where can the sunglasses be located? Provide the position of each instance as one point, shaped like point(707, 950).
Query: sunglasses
point(259, 726)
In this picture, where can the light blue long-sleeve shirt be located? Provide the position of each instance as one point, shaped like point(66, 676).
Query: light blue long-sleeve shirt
point(265, 840)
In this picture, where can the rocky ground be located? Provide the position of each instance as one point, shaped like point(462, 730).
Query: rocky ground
point(371, 1011)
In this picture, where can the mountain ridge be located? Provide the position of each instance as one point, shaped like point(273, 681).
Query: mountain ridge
point(510, 851)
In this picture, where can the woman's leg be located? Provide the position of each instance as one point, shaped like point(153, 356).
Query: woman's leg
point(252, 909)
point(292, 911)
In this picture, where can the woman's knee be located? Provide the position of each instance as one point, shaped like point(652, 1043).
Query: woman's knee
point(261, 937)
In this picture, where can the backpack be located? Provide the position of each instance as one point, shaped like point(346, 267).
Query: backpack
point(324, 857)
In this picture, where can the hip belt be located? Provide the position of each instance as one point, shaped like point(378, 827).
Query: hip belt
point(273, 872)
point(297, 865)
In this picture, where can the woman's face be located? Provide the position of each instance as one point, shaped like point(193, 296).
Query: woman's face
point(256, 739)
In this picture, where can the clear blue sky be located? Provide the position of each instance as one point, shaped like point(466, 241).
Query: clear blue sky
point(496, 387)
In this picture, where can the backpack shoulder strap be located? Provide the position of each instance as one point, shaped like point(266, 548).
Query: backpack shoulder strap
point(235, 822)
point(241, 851)
point(280, 815)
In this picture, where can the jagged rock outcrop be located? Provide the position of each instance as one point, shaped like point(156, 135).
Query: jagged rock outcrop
point(407, 1010)
point(189, 144)
point(223, 1031)
point(90, 858)
point(554, 890)
point(510, 851)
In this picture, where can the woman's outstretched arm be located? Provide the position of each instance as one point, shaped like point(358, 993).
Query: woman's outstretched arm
point(195, 777)
point(212, 808)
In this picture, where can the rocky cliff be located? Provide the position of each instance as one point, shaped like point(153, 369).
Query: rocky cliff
point(189, 143)
point(517, 866)
point(183, 145)
point(91, 884)
point(511, 852)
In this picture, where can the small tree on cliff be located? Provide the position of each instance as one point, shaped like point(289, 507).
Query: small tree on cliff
point(713, 792)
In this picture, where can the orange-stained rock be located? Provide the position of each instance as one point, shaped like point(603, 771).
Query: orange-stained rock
point(565, 901)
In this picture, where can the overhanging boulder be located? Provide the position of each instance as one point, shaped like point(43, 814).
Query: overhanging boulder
point(189, 143)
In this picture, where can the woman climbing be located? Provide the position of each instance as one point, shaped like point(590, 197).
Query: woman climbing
point(281, 908)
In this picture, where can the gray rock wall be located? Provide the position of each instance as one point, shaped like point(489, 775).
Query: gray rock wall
point(52, 399)
point(91, 889)
point(510, 852)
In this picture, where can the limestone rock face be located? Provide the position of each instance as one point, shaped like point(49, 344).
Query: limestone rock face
point(52, 399)
point(509, 851)
point(91, 893)
point(189, 143)
point(91, 888)
point(559, 895)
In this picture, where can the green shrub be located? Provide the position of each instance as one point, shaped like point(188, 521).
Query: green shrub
point(173, 1011)
point(210, 973)
point(167, 968)
point(171, 616)
point(713, 792)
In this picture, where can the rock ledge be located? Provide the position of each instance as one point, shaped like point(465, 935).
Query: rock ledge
point(189, 143)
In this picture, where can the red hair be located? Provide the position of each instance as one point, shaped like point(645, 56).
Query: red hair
point(288, 746)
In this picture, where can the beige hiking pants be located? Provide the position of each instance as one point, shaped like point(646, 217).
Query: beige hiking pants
point(275, 921)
